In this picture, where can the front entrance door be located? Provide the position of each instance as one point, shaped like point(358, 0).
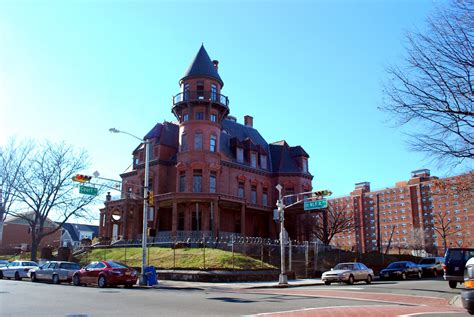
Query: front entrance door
point(115, 229)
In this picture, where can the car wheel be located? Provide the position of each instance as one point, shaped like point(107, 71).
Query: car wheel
point(17, 276)
point(404, 276)
point(76, 280)
point(101, 282)
point(453, 284)
point(1, 275)
point(33, 277)
point(55, 279)
point(369, 279)
point(419, 275)
point(327, 283)
point(351, 280)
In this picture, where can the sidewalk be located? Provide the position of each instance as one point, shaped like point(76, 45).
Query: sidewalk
point(169, 284)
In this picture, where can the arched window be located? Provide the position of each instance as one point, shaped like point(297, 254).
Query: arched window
point(198, 141)
point(212, 143)
point(184, 142)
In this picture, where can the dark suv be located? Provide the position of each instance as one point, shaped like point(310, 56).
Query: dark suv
point(454, 263)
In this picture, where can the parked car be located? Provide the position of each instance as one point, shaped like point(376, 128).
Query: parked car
point(432, 266)
point(349, 273)
point(104, 273)
point(467, 295)
point(17, 269)
point(401, 270)
point(54, 271)
point(4, 263)
point(455, 261)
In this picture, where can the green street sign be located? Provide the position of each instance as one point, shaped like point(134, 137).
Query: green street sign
point(316, 204)
point(86, 190)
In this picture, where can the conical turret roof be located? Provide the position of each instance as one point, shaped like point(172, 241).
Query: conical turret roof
point(202, 66)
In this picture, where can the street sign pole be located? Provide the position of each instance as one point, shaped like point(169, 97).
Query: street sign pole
point(283, 279)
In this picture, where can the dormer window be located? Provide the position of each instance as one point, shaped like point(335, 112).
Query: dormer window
point(263, 161)
point(240, 155)
point(305, 165)
point(253, 159)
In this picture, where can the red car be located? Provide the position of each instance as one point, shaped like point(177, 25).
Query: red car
point(104, 273)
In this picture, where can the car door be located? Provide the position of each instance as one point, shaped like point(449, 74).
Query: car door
point(49, 272)
point(40, 271)
point(95, 272)
point(364, 271)
point(8, 272)
point(85, 276)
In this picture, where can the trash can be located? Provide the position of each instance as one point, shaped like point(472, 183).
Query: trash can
point(150, 276)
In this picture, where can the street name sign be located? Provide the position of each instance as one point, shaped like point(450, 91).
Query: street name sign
point(315, 204)
point(87, 190)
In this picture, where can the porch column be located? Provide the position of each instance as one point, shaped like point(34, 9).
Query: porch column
point(242, 220)
point(215, 218)
point(174, 219)
point(124, 222)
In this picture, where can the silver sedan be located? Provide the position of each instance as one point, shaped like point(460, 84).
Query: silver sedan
point(349, 273)
point(17, 269)
point(55, 272)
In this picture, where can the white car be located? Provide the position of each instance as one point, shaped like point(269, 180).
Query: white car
point(17, 269)
point(348, 273)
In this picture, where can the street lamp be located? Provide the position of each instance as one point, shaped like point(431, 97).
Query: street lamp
point(283, 279)
point(145, 201)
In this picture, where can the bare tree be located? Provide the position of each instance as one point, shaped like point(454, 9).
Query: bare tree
point(417, 242)
point(444, 225)
point(12, 160)
point(433, 90)
point(332, 221)
point(460, 188)
point(43, 189)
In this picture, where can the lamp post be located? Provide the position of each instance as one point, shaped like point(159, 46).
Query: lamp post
point(145, 201)
point(283, 279)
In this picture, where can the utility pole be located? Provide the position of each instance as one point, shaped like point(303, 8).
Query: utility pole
point(283, 279)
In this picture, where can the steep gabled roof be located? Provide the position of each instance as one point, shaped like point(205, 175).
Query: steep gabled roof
point(165, 133)
point(75, 228)
point(202, 67)
point(23, 220)
point(284, 157)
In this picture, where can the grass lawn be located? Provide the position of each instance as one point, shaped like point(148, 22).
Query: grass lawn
point(185, 258)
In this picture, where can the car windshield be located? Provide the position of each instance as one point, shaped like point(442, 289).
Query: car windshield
point(396, 265)
point(117, 265)
point(344, 266)
point(428, 261)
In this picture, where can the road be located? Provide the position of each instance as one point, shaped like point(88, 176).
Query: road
point(424, 298)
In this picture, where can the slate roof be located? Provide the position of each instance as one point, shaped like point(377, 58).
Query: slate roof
point(281, 156)
point(29, 215)
point(75, 228)
point(202, 66)
point(165, 133)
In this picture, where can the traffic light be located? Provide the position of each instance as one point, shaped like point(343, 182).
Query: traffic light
point(81, 178)
point(323, 192)
point(151, 198)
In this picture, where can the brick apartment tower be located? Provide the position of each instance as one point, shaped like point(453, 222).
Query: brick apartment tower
point(211, 175)
point(403, 218)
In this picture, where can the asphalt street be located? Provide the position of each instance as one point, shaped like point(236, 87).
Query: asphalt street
point(428, 297)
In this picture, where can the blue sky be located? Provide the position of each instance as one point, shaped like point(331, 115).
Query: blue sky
point(309, 72)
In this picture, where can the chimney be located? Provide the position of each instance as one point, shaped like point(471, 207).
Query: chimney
point(248, 121)
point(216, 64)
